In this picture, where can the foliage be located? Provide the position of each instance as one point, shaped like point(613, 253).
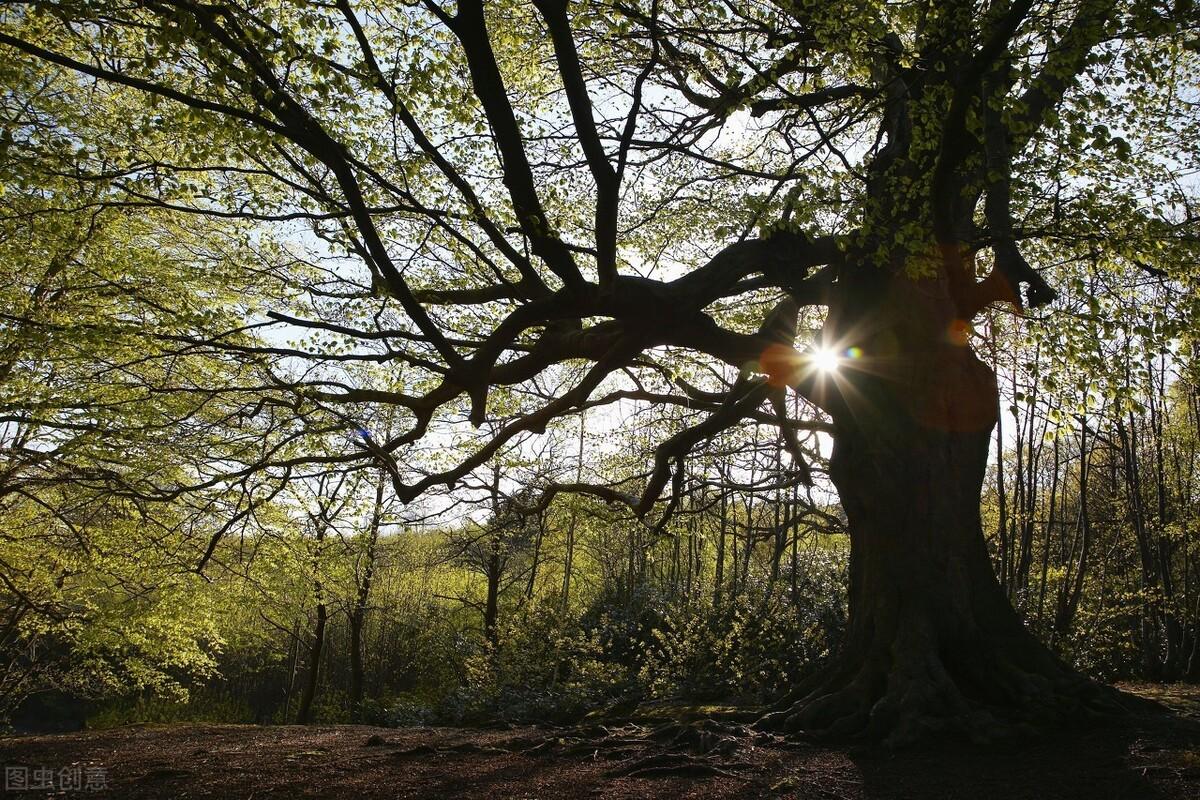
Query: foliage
point(752, 647)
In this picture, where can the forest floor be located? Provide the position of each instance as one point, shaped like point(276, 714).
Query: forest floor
point(1141, 759)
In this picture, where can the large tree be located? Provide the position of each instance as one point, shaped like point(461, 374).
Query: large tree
point(526, 209)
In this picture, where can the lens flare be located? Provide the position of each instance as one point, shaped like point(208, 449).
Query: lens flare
point(959, 332)
point(826, 360)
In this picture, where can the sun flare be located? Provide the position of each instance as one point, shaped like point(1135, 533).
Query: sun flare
point(825, 360)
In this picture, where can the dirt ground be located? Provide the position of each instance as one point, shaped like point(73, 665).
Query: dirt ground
point(1141, 759)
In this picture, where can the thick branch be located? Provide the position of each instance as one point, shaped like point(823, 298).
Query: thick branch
point(529, 276)
point(555, 14)
point(471, 29)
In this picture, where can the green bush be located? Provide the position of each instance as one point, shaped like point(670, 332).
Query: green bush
point(751, 648)
point(544, 668)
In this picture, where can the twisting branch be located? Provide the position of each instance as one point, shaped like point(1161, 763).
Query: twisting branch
point(742, 400)
point(779, 330)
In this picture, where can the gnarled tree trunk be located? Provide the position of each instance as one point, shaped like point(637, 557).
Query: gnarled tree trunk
point(933, 643)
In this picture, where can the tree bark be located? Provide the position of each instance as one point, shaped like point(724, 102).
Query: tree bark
point(569, 557)
point(491, 605)
point(309, 693)
point(531, 583)
point(356, 662)
point(362, 599)
point(719, 579)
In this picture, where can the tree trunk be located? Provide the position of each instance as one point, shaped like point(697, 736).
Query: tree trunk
point(1048, 533)
point(569, 558)
point(719, 579)
point(356, 663)
point(933, 643)
point(293, 660)
point(362, 599)
point(1071, 590)
point(537, 556)
point(491, 605)
point(309, 693)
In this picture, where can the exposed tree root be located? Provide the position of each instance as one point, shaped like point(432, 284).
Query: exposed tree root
point(698, 747)
point(922, 693)
point(676, 765)
point(896, 703)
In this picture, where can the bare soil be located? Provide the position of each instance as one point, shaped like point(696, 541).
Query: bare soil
point(692, 755)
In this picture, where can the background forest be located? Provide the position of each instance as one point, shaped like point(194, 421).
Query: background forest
point(196, 370)
point(318, 596)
